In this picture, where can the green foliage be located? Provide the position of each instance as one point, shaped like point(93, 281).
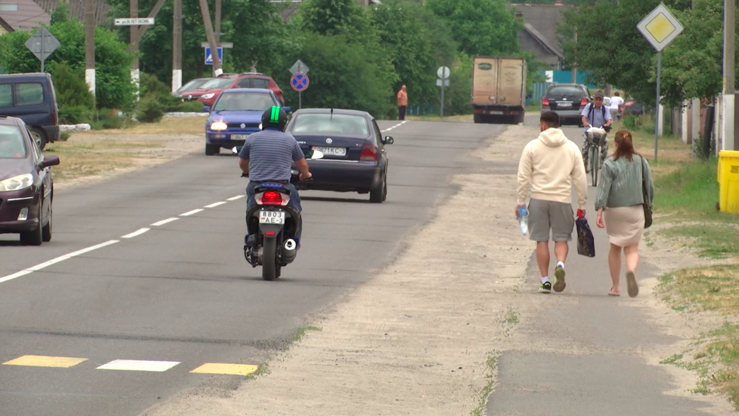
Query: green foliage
point(113, 84)
point(75, 114)
point(481, 27)
point(61, 14)
point(151, 87)
point(457, 95)
point(149, 110)
point(190, 106)
point(111, 119)
point(76, 102)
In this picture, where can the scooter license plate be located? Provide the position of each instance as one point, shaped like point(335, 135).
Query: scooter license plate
point(271, 217)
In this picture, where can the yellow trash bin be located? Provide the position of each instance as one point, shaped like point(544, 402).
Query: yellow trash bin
point(728, 179)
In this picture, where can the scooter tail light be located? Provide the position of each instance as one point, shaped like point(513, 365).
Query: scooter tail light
point(271, 198)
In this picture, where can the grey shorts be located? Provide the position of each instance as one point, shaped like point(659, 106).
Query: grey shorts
point(548, 215)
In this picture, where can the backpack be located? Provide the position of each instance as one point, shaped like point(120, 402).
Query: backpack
point(590, 112)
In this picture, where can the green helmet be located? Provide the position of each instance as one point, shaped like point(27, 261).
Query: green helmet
point(274, 117)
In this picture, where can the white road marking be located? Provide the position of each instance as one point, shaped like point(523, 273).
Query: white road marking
point(188, 213)
point(138, 365)
point(55, 261)
point(136, 233)
point(233, 198)
point(395, 126)
point(162, 222)
point(215, 204)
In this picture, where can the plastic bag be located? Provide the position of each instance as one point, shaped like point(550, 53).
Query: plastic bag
point(585, 240)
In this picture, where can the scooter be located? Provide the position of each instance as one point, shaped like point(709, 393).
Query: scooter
point(272, 222)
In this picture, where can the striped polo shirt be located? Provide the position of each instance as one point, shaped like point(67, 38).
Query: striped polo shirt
point(270, 154)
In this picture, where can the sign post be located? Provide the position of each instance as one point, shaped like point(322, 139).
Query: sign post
point(660, 27)
point(443, 74)
point(42, 44)
point(299, 80)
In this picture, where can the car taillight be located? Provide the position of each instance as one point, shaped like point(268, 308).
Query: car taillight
point(369, 153)
point(583, 102)
point(53, 119)
point(545, 102)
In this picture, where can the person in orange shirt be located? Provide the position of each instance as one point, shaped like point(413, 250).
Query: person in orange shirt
point(402, 102)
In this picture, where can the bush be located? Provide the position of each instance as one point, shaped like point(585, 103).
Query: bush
point(149, 110)
point(111, 119)
point(190, 106)
point(151, 87)
point(75, 114)
point(71, 88)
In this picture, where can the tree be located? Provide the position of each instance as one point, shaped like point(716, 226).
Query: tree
point(480, 27)
point(619, 55)
point(61, 14)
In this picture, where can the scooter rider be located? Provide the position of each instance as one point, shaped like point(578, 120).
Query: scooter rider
point(267, 156)
point(595, 114)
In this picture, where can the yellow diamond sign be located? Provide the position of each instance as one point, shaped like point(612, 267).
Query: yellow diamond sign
point(660, 27)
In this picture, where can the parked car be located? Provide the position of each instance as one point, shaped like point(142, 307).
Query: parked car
point(354, 155)
point(236, 114)
point(191, 86)
point(26, 185)
point(209, 92)
point(567, 100)
point(632, 107)
point(32, 98)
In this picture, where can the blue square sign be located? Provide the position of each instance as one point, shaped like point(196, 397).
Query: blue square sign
point(209, 56)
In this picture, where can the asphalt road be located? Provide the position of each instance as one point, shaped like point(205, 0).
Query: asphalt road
point(181, 295)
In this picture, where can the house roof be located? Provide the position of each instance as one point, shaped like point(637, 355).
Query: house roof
point(27, 17)
point(540, 20)
point(5, 25)
point(77, 9)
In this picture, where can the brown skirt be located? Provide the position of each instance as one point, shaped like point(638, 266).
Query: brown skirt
point(624, 225)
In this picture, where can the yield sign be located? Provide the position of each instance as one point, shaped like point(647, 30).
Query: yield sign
point(299, 81)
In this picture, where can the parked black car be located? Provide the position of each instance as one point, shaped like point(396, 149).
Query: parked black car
point(567, 100)
point(32, 98)
point(26, 185)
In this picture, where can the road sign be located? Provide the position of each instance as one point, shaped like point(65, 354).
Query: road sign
point(660, 27)
point(134, 21)
point(209, 56)
point(299, 66)
point(42, 44)
point(227, 45)
point(438, 82)
point(443, 72)
point(299, 82)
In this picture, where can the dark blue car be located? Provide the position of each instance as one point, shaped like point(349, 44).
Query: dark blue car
point(235, 115)
point(354, 157)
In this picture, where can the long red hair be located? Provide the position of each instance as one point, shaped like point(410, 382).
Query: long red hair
point(625, 146)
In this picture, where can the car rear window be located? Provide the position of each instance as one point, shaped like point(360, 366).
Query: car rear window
point(29, 93)
point(339, 124)
point(218, 83)
point(244, 101)
point(260, 83)
point(12, 144)
point(565, 90)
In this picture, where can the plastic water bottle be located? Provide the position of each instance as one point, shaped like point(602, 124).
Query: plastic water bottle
point(523, 220)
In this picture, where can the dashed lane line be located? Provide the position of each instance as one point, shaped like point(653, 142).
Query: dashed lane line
point(136, 233)
point(213, 205)
point(188, 213)
point(234, 198)
point(162, 222)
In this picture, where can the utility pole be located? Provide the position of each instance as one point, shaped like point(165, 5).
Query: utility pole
point(728, 141)
point(90, 44)
point(211, 37)
point(218, 22)
point(177, 46)
point(134, 44)
point(574, 68)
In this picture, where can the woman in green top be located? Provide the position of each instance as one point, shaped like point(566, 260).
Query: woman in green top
point(619, 202)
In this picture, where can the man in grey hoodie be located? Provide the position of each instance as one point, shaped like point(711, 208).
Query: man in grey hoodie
point(549, 166)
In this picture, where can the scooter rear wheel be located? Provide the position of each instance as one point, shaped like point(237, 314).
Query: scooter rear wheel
point(269, 258)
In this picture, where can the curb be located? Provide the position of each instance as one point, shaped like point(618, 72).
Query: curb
point(74, 127)
point(178, 114)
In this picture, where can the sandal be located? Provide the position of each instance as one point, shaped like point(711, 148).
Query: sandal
point(612, 293)
point(633, 287)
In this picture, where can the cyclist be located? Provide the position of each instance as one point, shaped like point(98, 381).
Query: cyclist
point(595, 114)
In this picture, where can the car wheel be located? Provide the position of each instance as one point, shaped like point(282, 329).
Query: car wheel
point(211, 149)
point(478, 118)
point(46, 231)
point(384, 192)
point(39, 136)
point(378, 193)
point(33, 237)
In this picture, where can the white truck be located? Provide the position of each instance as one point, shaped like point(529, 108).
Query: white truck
point(499, 89)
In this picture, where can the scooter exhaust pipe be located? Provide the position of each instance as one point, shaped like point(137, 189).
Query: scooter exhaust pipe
point(289, 251)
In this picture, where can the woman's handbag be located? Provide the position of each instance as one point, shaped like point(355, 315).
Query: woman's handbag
point(647, 204)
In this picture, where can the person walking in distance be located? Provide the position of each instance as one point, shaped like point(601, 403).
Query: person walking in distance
point(402, 103)
point(549, 166)
point(620, 212)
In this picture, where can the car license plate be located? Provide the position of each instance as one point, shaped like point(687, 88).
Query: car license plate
point(564, 103)
point(333, 151)
point(271, 217)
point(239, 136)
point(495, 112)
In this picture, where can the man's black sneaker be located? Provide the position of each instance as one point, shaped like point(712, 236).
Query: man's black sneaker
point(545, 287)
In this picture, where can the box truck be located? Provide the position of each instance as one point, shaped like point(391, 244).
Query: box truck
point(499, 89)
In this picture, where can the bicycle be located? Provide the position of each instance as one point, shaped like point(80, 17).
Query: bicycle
point(597, 137)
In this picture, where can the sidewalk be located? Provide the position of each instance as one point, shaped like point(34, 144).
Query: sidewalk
point(583, 353)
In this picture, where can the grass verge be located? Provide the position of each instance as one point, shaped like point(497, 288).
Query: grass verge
point(715, 354)
point(490, 366)
point(463, 118)
point(168, 125)
point(80, 159)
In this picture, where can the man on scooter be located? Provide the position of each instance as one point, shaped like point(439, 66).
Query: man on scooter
point(267, 156)
point(595, 114)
